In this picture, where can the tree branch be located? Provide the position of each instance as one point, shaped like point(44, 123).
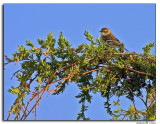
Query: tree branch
point(130, 54)
point(139, 72)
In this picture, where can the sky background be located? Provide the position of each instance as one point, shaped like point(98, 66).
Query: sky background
point(134, 24)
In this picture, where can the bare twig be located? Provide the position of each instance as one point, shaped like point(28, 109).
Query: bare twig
point(138, 97)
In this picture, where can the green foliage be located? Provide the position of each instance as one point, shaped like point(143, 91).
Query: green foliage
point(29, 43)
point(94, 67)
point(63, 43)
point(89, 37)
point(81, 114)
point(147, 49)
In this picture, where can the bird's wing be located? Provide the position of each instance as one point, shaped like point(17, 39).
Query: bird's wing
point(112, 37)
point(112, 40)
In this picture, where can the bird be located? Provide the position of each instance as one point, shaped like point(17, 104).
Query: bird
point(106, 35)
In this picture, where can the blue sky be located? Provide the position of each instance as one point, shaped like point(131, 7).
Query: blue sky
point(134, 24)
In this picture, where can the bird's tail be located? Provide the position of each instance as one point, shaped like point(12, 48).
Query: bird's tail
point(126, 49)
point(123, 48)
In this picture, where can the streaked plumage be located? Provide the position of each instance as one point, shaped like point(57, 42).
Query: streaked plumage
point(106, 35)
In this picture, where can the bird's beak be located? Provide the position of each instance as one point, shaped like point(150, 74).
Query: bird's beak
point(100, 31)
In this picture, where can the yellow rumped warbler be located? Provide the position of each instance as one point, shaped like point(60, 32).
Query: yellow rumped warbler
point(106, 35)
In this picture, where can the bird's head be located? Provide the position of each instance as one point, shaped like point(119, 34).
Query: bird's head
point(104, 31)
